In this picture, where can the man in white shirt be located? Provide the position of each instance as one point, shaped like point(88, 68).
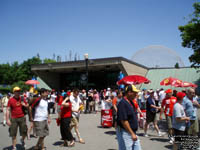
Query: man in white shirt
point(4, 105)
point(52, 102)
point(41, 118)
point(162, 95)
point(76, 102)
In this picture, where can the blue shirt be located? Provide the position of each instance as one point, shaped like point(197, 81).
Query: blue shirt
point(127, 112)
point(63, 93)
point(190, 110)
point(150, 102)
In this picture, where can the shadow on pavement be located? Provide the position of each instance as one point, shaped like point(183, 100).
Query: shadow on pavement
point(110, 132)
point(32, 148)
point(18, 146)
point(58, 143)
point(103, 127)
point(159, 139)
point(169, 146)
point(111, 149)
point(140, 134)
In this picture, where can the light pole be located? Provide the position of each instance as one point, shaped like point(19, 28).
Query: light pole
point(86, 67)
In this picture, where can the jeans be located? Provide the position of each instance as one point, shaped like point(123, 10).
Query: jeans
point(125, 141)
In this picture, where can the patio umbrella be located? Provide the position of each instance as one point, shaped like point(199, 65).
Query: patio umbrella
point(171, 81)
point(32, 82)
point(133, 79)
point(187, 84)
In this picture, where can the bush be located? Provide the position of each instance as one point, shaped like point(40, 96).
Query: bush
point(20, 84)
point(5, 90)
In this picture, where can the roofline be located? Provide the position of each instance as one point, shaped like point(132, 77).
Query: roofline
point(96, 59)
point(170, 68)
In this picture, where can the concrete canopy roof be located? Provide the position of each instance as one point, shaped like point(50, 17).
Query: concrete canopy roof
point(112, 64)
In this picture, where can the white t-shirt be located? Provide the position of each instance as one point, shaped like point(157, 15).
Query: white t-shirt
point(5, 101)
point(41, 111)
point(75, 105)
point(178, 111)
point(162, 95)
point(53, 98)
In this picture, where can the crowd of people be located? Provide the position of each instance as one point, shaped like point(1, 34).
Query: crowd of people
point(131, 108)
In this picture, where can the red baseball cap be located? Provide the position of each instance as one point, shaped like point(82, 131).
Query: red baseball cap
point(180, 95)
point(168, 91)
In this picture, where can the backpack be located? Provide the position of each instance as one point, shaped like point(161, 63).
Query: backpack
point(34, 105)
point(24, 109)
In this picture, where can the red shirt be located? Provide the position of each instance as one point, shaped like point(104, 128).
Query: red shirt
point(168, 103)
point(60, 100)
point(66, 112)
point(16, 107)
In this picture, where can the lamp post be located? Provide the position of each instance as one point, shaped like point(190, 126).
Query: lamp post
point(86, 67)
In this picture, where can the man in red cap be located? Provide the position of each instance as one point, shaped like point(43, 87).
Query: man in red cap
point(167, 107)
point(179, 121)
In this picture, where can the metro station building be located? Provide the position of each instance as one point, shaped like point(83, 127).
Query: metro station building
point(104, 72)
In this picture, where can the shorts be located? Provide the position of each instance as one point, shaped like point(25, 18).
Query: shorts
point(169, 122)
point(74, 122)
point(91, 103)
point(179, 135)
point(41, 128)
point(194, 127)
point(150, 117)
point(15, 123)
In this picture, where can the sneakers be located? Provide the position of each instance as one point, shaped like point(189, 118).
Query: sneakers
point(171, 140)
point(23, 143)
point(14, 148)
point(161, 133)
point(146, 135)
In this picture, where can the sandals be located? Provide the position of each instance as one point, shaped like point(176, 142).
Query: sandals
point(71, 144)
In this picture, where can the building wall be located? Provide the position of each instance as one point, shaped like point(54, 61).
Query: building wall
point(131, 69)
point(51, 79)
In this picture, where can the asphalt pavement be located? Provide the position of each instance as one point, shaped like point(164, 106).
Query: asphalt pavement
point(96, 137)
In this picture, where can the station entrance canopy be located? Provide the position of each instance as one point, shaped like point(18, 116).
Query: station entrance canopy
point(103, 72)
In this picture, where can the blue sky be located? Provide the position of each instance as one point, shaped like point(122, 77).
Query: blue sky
point(101, 28)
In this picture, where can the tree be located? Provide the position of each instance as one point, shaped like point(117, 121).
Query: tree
point(190, 34)
point(176, 66)
point(48, 60)
point(25, 72)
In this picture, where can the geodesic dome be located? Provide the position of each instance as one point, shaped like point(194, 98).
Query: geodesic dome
point(155, 56)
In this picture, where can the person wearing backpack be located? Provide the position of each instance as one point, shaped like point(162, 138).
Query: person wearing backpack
point(18, 118)
point(41, 118)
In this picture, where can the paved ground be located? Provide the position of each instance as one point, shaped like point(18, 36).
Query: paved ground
point(96, 137)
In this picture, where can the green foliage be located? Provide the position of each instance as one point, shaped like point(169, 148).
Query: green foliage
point(48, 60)
point(176, 65)
point(5, 90)
point(15, 72)
point(20, 84)
point(190, 34)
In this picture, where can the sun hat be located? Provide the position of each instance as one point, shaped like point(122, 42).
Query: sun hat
point(131, 88)
point(16, 89)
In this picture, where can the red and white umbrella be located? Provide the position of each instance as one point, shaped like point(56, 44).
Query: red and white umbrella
point(171, 81)
point(133, 79)
point(187, 84)
point(32, 82)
